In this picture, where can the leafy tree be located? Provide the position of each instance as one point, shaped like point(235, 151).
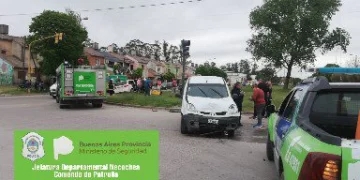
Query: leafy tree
point(266, 74)
point(244, 66)
point(235, 67)
point(355, 62)
point(213, 64)
point(137, 73)
point(208, 70)
point(103, 49)
point(70, 48)
point(288, 32)
point(88, 43)
point(228, 67)
point(223, 67)
point(254, 68)
point(169, 76)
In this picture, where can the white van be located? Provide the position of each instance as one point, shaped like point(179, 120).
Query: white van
point(207, 105)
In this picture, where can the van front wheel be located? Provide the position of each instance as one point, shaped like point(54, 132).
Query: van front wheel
point(184, 129)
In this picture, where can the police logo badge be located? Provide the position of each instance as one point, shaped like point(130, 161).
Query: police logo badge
point(33, 146)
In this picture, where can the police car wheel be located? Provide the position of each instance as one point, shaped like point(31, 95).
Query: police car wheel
point(184, 129)
point(282, 177)
point(269, 149)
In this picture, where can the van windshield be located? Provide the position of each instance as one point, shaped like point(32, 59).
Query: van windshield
point(207, 90)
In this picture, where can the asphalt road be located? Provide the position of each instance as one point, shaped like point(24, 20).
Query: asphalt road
point(190, 157)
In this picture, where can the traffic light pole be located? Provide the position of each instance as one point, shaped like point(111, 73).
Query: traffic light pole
point(184, 69)
point(29, 59)
point(184, 55)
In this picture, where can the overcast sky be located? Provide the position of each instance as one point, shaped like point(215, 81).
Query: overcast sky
point(217, 28)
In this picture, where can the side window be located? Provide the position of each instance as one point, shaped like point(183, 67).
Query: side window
point(284, 103)
point(290, 109)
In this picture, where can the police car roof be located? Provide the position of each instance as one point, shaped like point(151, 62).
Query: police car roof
point(206, 80)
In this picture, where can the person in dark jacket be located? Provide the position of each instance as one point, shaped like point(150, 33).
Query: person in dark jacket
point(238, 96)
point(111, 88)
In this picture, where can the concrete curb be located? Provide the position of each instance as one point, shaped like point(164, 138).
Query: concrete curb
point(136, 106)
point(172, 110)
point(22, 95)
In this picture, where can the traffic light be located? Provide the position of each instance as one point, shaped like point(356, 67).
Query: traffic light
point(58, 37)
point(185, 48)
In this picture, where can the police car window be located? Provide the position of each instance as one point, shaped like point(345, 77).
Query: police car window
point(207, 90)
point(337, 103)
point(290, 109)
point(284, 103)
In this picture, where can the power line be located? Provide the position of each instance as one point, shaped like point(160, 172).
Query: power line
point(114, 8)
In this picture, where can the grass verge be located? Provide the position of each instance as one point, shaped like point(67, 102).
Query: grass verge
point(14, 90)
point(167, 99)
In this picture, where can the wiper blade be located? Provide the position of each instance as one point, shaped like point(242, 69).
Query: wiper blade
point(217, 92)
point(202, 91)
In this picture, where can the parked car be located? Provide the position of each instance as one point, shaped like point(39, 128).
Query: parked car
point(128, 86)
point(312, 135)
point(52, 90)
point(208, 106)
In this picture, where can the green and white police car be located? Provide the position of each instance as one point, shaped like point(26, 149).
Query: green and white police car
point(312, 135)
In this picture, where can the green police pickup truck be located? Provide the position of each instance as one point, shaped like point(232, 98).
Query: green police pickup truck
point(81, 84)
point(312, 135)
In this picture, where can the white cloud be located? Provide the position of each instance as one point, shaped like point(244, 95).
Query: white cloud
point(217, 29)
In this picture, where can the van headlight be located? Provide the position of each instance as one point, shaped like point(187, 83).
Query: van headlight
point(191, 108)
point(233, 109)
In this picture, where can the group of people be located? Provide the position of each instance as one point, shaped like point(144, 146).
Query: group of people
point(144, 85)
point(262, 96)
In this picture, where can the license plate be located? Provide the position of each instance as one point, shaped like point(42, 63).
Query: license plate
point(82, 95)
point(213, 121)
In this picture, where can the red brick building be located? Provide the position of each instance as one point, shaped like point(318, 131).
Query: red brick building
point(94, 57)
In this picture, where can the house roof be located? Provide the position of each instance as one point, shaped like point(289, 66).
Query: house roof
point(110, 57)
point(151, 73)
point(121, 57)
point(127, 57)
point(141, 60)
point(93, 52)
point(17, 63)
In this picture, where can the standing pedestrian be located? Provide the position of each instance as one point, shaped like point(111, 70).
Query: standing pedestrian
point(259, 100)
point(264, 86)
point(174, 85)
point(111, 88)
point(159, 84)
point(238, 96)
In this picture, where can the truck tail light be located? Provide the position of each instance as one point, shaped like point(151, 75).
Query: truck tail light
point(100, 92)
point(69, 93)
point(321, 166)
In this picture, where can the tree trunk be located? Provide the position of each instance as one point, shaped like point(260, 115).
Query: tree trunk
point(288, 76)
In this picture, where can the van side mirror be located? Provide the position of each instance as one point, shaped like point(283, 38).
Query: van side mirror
point(271, 109)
